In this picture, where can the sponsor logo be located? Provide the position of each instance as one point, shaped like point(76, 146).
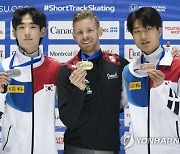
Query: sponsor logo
point(131, 52)
point(133, 7)
point(62, 53)
point(58, 122)
point(171, 30)
point(110, 49)
point(60, 30)
point(2, 52)
point(64, 29)
point(2, 30)
point(112, 76)
point(135, 86)
point(71, 7)
point(60, 140)
point(15, 88)
point(159, 8)
point(110, 29)
point(127, 34)
point(8, 8)
point(127, 117)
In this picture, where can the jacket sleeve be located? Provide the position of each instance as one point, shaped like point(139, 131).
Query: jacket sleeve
point(124, 100)
point(2, 103)
point(70, 98)
point(171, 96)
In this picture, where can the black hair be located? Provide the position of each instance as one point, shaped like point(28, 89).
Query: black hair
point(39, 18)
point(148, 16)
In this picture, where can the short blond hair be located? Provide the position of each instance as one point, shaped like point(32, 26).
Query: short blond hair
point(83, 15)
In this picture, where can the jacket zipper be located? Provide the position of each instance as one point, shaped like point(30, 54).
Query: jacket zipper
point(177, 129)
point(7, 138)
point(32, 145)
point(148, 120)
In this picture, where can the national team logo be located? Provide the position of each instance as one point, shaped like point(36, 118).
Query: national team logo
point(112, 59)
point(49, 87)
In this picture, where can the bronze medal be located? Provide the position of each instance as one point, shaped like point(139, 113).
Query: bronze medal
point(87, 65)
point(145, 67)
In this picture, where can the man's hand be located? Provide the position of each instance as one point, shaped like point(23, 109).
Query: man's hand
point(175, 52)
point(4, 80)
point(157, 76)
point(77, 78)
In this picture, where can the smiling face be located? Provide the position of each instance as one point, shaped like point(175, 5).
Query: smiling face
point(87, 34)
point(146, 38)
point(28, 34)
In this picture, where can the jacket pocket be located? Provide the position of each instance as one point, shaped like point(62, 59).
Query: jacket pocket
point(6, 139)
point(177, 129)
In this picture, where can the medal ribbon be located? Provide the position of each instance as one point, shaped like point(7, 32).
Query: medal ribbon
point(95, 55)
point(23, 64)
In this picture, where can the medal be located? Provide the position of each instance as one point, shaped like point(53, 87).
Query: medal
point(87, 65)
point(145, 67)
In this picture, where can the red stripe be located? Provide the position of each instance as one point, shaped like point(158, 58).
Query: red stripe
point(45, 74)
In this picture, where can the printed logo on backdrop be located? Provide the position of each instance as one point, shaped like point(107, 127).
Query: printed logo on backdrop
point(13, 49)
point(110, 29)
point(75, 8)
point(64, 29)
point(60, 30)
point(8, 8)
point(127, 34)
point(59, 140)
point(2, 30)
point(171, 30)
point(58, 122)
point(131, 52)
point(127, 117)
point(133, 7)
point(2, 52)
point(110, 48)
point(159, 8)
point(63, 53)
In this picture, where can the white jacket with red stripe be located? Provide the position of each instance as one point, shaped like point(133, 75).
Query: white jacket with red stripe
point(28, 125)
point(154, 115)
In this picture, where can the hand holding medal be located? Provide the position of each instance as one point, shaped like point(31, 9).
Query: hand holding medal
point(77, 78)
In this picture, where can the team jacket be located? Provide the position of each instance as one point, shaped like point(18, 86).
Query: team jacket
point(28, 125)
point(92, 117)
point(155, 112)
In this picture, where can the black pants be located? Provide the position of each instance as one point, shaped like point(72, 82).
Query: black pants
point(68, 149)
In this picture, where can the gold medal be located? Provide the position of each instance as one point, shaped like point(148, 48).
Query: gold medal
point(145, 67)
point(87, 65)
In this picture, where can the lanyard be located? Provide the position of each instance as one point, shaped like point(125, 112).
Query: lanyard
point(157, 65)
point(23, 64)
point(95, 55)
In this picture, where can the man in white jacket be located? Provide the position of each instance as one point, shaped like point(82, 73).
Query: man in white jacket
point(153, 87)
point(28, 118)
